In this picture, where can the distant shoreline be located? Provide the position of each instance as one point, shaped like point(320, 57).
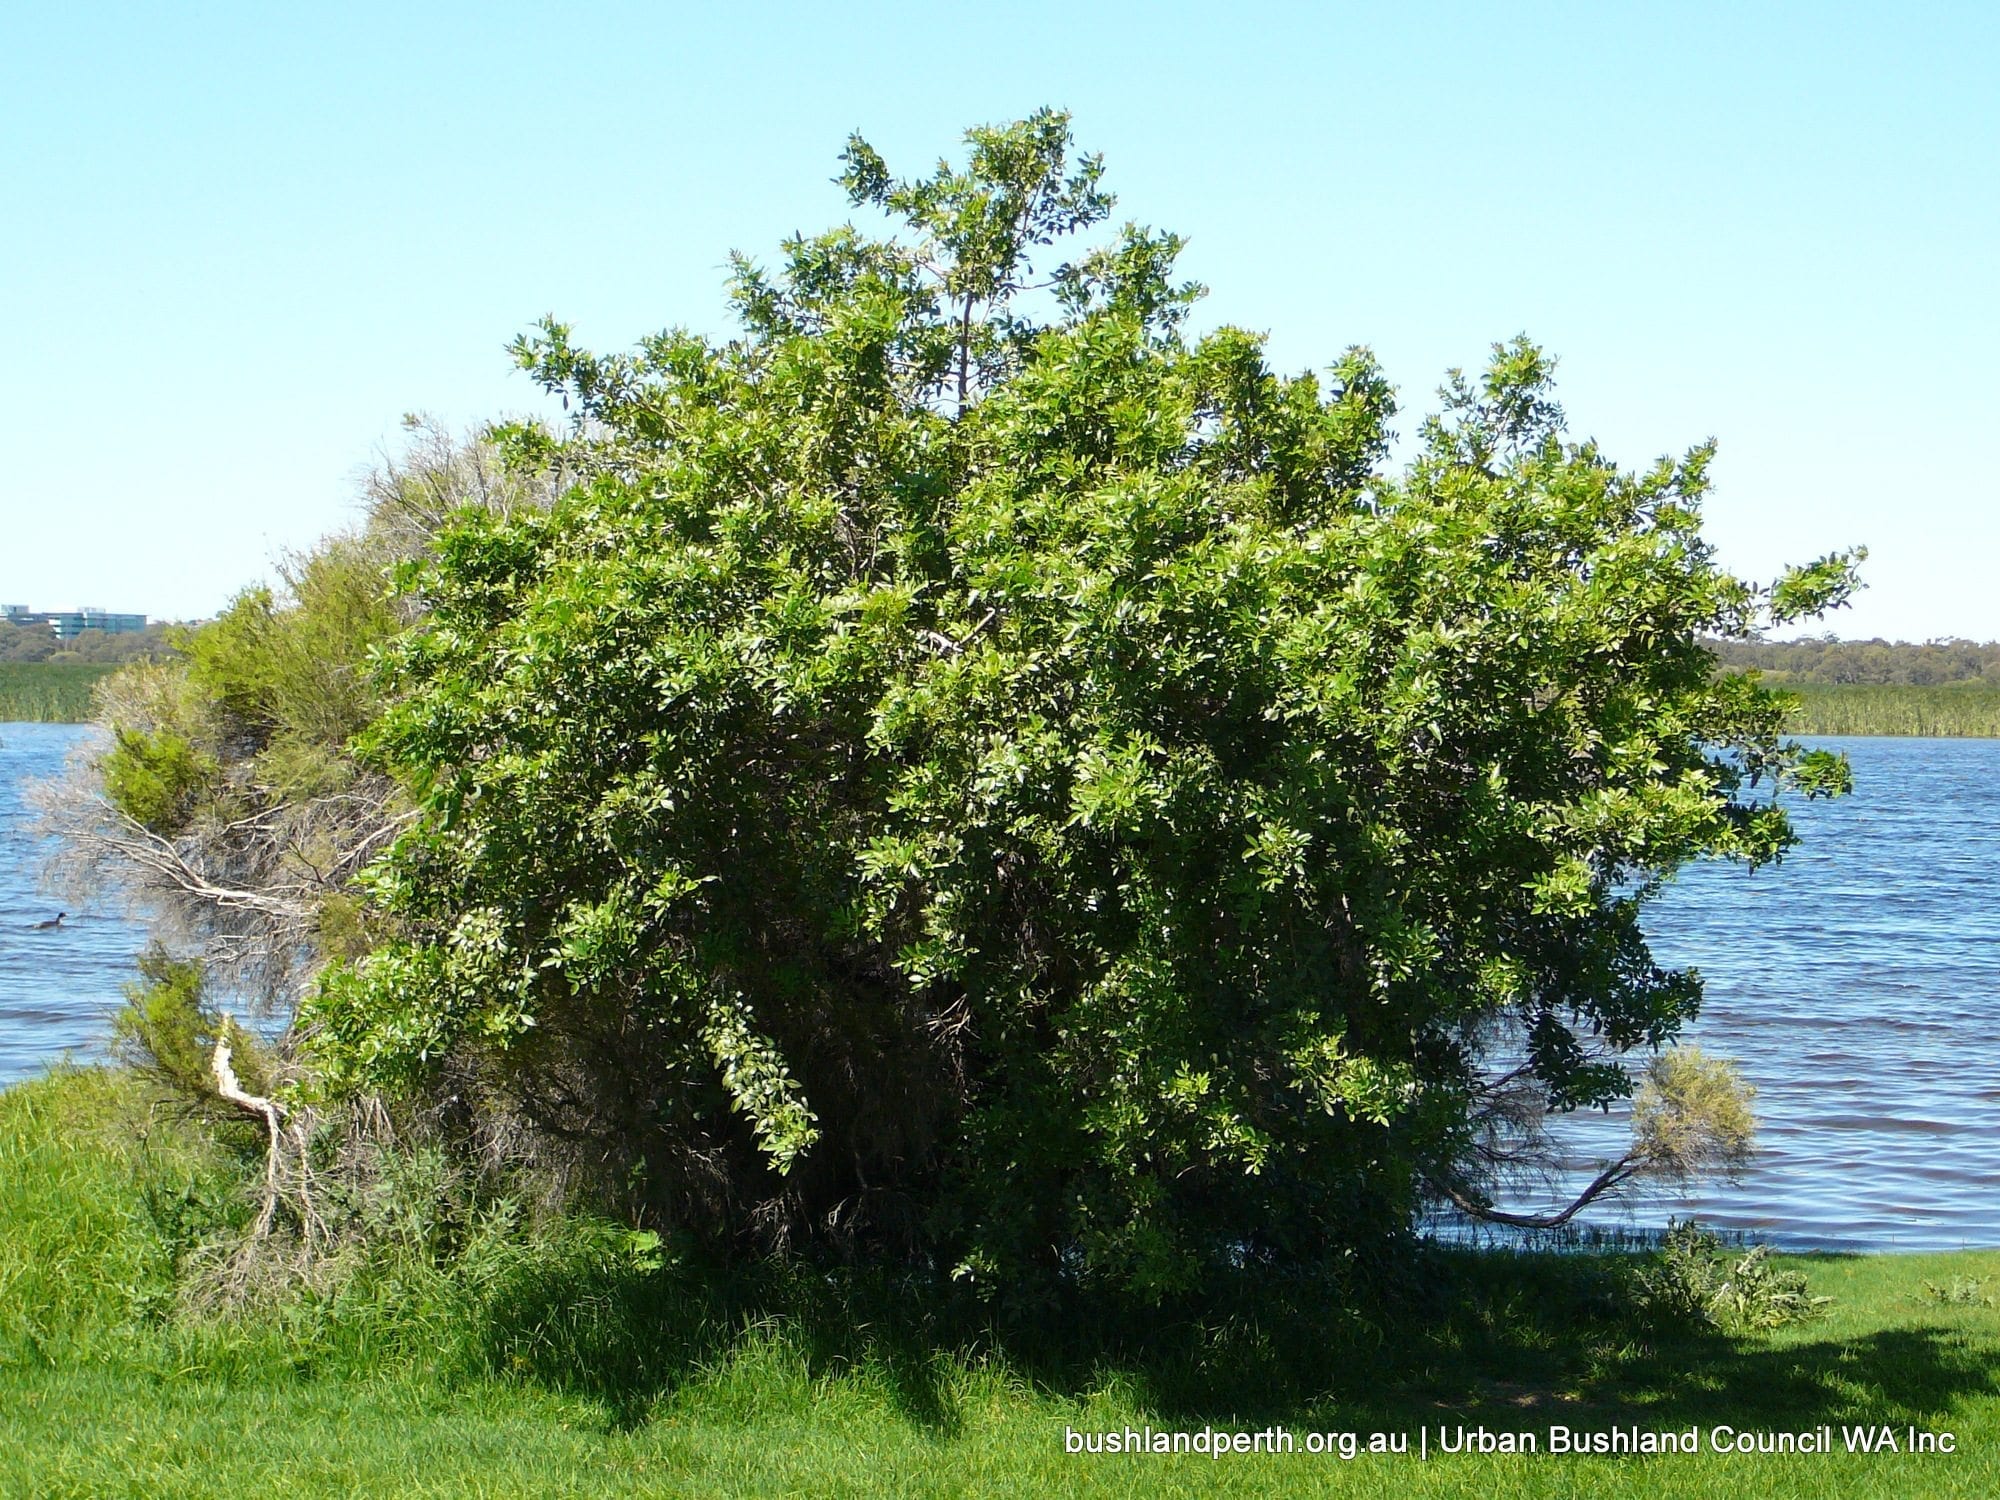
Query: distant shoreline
point(62, 693)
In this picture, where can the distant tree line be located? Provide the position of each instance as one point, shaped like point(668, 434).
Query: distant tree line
point(31, 643)
point(1825, 659)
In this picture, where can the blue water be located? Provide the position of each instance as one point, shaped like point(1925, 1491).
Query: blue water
point(1857, 984)
point(56, 988)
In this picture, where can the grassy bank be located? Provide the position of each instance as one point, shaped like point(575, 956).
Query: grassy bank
point(1957, 709)
point(49, 692)
point(571, 1360)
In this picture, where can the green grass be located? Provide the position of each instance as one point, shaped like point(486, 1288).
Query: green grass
point(50, 692)
point(1954, 710)
point(559, 1361)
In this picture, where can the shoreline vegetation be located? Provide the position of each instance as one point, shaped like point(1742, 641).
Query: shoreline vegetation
point(49, 692)
point(1945, 689)
point(50, 681)
point(62, 693)
point(562, 1356)
point(1959, 710)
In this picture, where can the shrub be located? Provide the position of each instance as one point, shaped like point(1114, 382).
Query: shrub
point(155, 778)
point(168, 1031)
point(1960, 1291)
point(1692, 1116)
point(1012, 784)
point(1694, 1281)
point(230, 801)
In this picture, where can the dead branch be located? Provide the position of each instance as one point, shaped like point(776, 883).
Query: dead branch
point(227, 1085)
point(247, 891)
point(1618, 1173)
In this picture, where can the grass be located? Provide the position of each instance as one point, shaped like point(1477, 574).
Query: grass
point(503, 1358)
point(1954, 710)
point(49, 692)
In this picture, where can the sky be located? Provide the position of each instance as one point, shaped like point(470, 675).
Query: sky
point(239, 243)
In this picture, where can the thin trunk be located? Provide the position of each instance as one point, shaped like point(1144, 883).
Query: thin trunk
point(964, 354)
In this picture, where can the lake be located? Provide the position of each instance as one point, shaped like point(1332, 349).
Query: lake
point(1858, 985)
point(56, 988)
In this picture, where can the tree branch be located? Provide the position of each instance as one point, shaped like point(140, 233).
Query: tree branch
point(232, 1090)
point(1620, 1171)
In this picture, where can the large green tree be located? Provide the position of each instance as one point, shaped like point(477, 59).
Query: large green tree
point(973, 770)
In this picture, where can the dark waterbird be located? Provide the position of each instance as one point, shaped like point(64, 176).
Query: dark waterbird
point(52, 924)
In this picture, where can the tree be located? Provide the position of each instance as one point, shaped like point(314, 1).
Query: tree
point(971, 771)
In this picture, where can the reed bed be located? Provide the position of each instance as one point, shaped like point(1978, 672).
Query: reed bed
point(1956, 710)
point(49, 692)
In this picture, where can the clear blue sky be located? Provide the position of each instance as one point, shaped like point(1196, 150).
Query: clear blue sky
point(238, 241)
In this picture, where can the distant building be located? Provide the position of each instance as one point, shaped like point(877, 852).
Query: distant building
point(68, 624)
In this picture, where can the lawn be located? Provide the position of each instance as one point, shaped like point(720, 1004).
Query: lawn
point(645, 1379)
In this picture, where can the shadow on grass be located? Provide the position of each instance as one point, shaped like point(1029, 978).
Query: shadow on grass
point(1513, 1340)
point(1425, 1335)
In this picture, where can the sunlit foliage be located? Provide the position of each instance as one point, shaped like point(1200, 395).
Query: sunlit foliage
point(971, 769)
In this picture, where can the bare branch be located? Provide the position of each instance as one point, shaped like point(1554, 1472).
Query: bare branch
point(1618, 1173)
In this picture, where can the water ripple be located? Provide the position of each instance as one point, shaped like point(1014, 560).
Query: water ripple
point(1856, 984)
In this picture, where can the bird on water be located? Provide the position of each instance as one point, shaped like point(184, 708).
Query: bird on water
point(52, 923)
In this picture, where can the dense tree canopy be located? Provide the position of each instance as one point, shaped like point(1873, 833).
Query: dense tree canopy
point(973, 770)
